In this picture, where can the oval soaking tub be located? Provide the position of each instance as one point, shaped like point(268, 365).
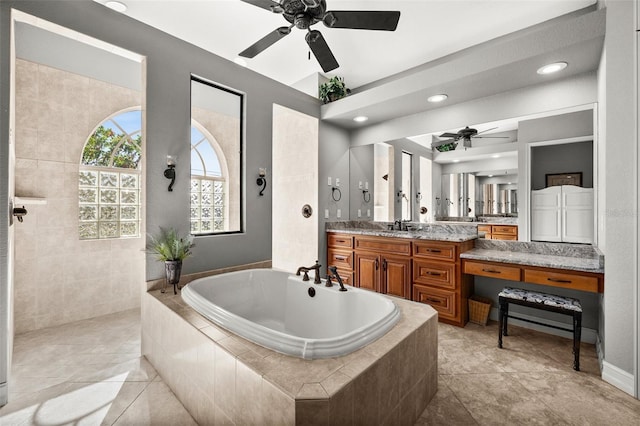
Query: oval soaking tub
point(274, 309)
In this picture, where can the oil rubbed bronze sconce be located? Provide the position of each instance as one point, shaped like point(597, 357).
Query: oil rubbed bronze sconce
point(170, 172)
point(262, 180)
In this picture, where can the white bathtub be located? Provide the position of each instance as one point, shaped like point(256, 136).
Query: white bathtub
point(274, 309)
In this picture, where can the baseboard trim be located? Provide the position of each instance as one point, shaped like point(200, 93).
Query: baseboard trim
point(588, 335)
point(618, 378)
point(599, 352)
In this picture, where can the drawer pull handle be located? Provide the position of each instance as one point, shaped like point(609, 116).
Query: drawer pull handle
point(340, 241)
point(432, 300)
point(557, 280)
point(437, 274)
point(338, 257)
point(493, 271)
point(433, 250)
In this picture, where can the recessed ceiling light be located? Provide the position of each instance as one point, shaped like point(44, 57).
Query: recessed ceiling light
point(490, 175)
point(495, 156)
point(116, 5)
point(360, 119)
point(508, 183)
point(455, 161)
point(240, 61)
point(437, 98)
point(551, 68)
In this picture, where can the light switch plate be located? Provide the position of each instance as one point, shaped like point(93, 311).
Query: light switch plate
point(337, 182)
point(329, 181)
point(339, 213)
point(359, 213)
point(326, 213)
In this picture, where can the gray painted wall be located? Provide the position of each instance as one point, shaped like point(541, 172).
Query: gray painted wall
point(361, 170)
point(169, 64)
point(333, 160)
point(565, 158)
point(621, 169)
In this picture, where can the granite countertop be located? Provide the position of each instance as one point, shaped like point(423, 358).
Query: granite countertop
point(414, 234)
point(582, 258)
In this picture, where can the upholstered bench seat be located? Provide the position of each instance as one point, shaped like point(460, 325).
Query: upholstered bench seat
point(562, 302)
point(546, 302)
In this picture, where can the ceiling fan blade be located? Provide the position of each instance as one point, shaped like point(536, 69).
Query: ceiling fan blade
point(490, 137)
point(362, 19)
point(448, 135)
point(265, 42)
point(266, 4)
point(492, 128)
point(321, 50)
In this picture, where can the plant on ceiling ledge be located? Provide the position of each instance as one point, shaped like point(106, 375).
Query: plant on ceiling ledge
point(447, 147)
point(333, 90)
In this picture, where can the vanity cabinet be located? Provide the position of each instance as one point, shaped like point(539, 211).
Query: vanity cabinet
point(438, 279)
point(499, 232)
point(424, 271)
point(383, 264)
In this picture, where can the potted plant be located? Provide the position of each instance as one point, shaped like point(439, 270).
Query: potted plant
point(333, 90)
point(172, 249)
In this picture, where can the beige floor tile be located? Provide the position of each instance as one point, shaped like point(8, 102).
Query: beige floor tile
point(445, 409)
point(156, 405)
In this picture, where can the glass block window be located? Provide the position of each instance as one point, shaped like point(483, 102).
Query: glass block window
point(109, 179)
point(209, 194)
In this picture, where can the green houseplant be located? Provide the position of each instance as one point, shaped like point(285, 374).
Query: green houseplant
point(172, 249)
point(333, 90)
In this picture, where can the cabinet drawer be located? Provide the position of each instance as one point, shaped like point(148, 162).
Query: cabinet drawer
point(505, 229)
point(561, 279)
point(484, 228)
point(504, 237)
point(435, 274)
point(340, 240)
point(490, 270)
point(385, 244)
point(441, 300)
point(342, 259)
point(435, 250)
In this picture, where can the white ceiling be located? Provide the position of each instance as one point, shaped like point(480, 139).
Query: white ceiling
point(428, 29)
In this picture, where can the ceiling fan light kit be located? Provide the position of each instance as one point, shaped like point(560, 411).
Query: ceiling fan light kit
point(302, 14)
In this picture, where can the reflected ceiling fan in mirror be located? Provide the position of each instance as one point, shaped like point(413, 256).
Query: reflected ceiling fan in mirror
point(466, 135)
point(303, 14)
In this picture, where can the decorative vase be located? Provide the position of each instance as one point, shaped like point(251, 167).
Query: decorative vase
point(173, 269)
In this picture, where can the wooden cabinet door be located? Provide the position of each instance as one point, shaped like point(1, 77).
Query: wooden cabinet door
point(367, 271)
point(396, 276)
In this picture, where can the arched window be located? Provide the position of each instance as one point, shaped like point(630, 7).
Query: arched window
point(109, 179)
point(209, 188)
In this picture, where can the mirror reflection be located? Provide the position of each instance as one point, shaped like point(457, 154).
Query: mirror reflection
point(216, 152)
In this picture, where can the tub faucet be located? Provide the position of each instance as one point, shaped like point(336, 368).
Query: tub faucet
point(334, 272)
point(316, 268)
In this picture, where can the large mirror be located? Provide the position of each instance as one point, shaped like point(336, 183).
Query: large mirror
point(390, 181)
point(216, 153)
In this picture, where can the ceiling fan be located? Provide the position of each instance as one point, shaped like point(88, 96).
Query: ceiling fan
point(303, 14)
point(466, 135)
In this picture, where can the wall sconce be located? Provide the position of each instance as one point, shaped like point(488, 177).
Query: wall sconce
point(170, 172)
point(262, 180)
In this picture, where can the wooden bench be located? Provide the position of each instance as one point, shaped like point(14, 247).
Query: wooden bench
point(546, 302)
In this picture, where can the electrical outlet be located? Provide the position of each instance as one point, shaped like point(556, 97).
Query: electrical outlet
point(329, 181)
point(366, 186)
point(326, 213)
point(359, 184)
point(368, 212)
point(337, 182)
point(339, 213)
point(359, 213)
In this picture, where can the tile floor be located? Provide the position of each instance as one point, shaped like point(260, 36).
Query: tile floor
point(91, 372)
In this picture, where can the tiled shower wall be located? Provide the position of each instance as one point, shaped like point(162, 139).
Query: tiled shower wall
point(58, 278)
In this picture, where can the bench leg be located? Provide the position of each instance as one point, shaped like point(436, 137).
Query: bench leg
point(577, 332)
point(502, 319)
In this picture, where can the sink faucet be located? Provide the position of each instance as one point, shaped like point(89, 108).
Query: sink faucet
point(334, 272)
point(316, 268)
